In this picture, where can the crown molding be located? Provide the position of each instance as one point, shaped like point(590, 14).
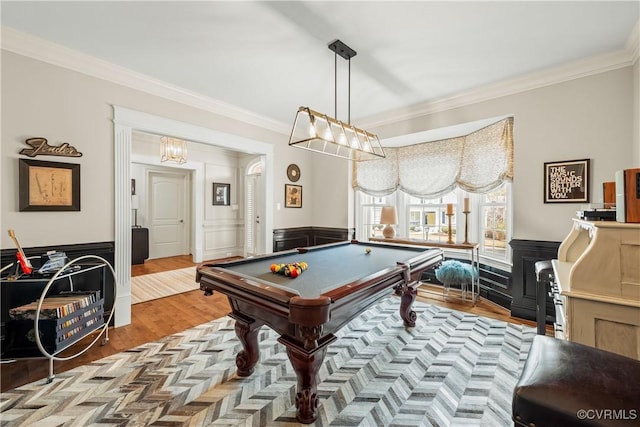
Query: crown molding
point(633, 42)
point(55, 54)
point(52, 53)
point(570, 71)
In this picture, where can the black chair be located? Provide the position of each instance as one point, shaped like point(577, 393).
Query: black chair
point(544, 278)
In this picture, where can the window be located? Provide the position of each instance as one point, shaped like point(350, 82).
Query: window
point(428, 218)
point(494, 214)
point(489, 222)
point(370, 210)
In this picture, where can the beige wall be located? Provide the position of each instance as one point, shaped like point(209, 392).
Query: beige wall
point(39, 99)
point(590, 117)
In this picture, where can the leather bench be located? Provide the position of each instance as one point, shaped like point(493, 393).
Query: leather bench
point(569, 384)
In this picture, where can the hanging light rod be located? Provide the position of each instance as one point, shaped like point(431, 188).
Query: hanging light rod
point(327, 135)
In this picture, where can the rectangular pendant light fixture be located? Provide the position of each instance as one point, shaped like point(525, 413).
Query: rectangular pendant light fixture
point(327, 135)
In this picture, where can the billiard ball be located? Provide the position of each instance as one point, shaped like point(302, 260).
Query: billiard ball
point(368, 250)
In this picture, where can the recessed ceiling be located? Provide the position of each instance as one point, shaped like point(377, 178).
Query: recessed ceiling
point(271, 57)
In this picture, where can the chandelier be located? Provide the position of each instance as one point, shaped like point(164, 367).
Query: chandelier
point(173, 150)
point(327, 135)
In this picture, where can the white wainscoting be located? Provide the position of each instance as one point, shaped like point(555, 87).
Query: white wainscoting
point(223, 240)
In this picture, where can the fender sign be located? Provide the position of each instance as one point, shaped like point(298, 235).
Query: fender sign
point(39, 146)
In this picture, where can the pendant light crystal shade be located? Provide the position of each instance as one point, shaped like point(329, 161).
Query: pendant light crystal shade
point(318, 132)
point(173, 150)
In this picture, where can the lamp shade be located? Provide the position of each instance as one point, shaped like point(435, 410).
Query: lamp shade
point(135, 203)
point(389, 215)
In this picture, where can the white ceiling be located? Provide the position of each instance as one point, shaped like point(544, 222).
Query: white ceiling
point(271, 57)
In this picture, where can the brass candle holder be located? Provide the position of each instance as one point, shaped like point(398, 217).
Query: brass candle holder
point(449, 215)
point(466, 227)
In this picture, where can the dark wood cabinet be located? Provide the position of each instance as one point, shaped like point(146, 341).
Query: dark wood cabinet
point(139, 245)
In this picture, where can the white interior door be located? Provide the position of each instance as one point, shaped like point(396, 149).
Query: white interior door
point(168, 214)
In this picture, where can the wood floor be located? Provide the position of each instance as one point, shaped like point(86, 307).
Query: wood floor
point(165, 316)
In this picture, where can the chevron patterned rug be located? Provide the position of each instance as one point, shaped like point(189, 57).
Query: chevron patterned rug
point(453, 368)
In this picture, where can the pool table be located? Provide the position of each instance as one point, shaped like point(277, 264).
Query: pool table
point(341, 281)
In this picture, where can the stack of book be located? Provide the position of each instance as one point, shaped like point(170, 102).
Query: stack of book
point(64, 319)
point(56, 306)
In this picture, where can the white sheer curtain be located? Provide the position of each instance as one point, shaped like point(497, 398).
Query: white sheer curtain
point(478, 163)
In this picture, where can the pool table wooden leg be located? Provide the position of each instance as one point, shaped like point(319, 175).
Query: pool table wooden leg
point(247, 332)
point(406, 302)
point(307, 364)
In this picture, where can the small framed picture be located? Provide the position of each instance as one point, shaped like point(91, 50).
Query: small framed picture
point(221, 194)
point(49, 186)
point(292, 196)
point(566, 181)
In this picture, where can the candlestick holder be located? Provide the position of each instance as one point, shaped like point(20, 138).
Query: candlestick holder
point(466, 227)
point(449, 215)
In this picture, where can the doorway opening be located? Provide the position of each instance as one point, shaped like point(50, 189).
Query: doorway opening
point(126, 123)
point(253, 200)
point(168, 213)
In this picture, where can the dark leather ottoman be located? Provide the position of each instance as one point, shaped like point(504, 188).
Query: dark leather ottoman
point(568, 384)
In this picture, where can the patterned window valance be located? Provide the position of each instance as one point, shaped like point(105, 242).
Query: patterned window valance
point(478, 163)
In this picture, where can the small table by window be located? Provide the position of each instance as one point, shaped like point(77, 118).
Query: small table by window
point(473, 248)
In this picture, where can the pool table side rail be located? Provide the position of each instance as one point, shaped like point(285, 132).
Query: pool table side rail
point(225, 281)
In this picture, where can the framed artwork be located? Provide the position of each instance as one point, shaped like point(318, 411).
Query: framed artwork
point(292, 196)
point(566, 182)
point(49, 186)
point(221, 194)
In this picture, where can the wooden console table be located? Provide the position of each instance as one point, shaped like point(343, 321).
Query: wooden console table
point(473, 248)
